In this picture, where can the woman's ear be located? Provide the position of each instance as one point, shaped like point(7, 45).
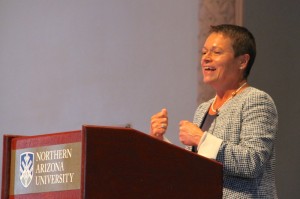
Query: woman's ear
point(244, 59)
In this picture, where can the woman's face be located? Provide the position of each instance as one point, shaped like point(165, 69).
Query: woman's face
point(220, 68)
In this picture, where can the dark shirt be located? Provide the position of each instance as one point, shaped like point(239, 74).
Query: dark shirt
point(205, 125)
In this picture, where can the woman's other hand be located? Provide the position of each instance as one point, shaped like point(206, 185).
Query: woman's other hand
point(189, 133)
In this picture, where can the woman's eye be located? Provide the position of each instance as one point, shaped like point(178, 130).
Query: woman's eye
point(217, 52)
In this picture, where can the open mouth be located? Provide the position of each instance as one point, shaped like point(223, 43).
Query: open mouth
point(207, 68)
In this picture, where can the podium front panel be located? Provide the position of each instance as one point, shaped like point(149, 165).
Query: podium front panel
point(105, 162)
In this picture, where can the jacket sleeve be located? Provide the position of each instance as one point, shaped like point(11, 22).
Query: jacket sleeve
point(259, 124)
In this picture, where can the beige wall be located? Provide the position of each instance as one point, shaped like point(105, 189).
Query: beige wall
point(214, 12)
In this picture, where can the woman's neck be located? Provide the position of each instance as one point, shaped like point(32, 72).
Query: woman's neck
point(228, 90)
point(222, 98)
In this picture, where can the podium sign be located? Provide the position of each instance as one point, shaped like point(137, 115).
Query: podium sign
point(104, 162)
point(46, 164)
point(46, 168)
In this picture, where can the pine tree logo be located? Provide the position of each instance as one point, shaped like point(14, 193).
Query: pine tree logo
point(26, 168)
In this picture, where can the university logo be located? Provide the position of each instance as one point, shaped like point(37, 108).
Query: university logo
point(26, 168)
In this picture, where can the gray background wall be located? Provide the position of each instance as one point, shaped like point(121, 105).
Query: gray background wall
point(68, 63)
point(65, 63)
point(276, 27)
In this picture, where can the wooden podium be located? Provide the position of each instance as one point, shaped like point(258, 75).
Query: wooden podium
point(104, 162)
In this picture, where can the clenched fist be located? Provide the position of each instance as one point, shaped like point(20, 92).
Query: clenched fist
point(189, 133)
point(159, 124)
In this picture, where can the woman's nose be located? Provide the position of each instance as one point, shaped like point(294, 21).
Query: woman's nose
point(206, 58)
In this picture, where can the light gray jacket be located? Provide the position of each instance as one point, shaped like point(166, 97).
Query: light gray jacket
point(247, 124)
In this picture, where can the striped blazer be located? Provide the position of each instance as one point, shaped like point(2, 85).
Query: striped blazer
point(247, 124)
